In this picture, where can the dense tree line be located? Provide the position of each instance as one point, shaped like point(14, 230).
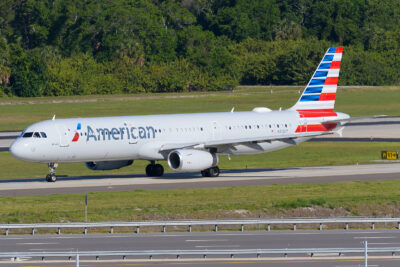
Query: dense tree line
point(58, 47)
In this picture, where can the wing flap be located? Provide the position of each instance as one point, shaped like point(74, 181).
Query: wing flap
point(290, 138)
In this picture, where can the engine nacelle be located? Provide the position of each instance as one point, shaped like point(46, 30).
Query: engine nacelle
point(108, 165)
point(187, 160)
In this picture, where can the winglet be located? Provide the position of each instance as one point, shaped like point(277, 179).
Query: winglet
point(340, 131)
point(54, 117)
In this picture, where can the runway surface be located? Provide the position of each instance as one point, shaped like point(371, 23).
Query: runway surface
point(111, 183)
point(210, 241)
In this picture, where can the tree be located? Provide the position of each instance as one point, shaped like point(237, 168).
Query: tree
point(28, 73)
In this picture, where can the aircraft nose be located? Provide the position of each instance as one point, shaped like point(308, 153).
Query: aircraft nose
point(17, 149)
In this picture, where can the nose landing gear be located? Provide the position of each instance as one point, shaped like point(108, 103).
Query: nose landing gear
point(154, 170)
point(52, 176)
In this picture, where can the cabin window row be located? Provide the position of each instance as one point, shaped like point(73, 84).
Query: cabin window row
point(249, 127)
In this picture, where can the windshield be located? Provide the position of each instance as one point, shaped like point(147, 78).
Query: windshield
point(27, 135)
point(34, 134)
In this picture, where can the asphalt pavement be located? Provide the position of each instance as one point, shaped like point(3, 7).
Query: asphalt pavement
point(112, 183)
point(211, 241)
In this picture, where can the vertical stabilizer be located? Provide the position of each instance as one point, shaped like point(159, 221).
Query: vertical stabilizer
point(320, 92)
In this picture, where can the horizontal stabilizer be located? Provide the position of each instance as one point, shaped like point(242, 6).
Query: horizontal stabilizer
point(351, 119)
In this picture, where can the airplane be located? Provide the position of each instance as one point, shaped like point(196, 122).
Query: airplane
point(188, 142)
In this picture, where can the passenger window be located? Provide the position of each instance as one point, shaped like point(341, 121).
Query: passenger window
point(36, 135)
point(27, 135)
point(43, 135)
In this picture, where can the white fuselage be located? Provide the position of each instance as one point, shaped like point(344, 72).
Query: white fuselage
point(142, 137)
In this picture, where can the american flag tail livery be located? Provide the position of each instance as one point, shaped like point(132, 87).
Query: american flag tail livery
point(315, 106)
point(319, 95)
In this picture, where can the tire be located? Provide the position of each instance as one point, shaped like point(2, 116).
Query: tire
point(214, 171)
point(51, 178)
point(206, 173)
point(150, 170)
point(158, 170)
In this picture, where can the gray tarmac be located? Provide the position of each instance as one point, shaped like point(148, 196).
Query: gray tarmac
point(210, 241)
point(312, 262)
point(113, 183)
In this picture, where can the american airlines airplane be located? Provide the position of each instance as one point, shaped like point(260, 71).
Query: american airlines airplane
point(188, 142)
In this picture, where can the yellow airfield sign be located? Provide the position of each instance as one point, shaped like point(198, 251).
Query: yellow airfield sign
point(390, 155)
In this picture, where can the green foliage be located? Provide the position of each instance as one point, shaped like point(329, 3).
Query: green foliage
point(28, 72)
point(128, 46)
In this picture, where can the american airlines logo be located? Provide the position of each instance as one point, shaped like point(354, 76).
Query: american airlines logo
point(117, 133)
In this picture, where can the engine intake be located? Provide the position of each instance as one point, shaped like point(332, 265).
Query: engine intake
point(187, 160)
point(108, 165)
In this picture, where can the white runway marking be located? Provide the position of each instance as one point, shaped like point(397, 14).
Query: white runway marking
point(383, 243)
point(374, 237)
point(221, 246)
point(208, 240)
point(37, 243)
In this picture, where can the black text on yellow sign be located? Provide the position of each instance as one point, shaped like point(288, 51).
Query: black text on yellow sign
point(390, 155)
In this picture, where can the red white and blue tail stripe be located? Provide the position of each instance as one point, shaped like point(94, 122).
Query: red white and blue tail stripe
point(320, 92)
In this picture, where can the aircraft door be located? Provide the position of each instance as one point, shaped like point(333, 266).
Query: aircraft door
point(214, 130)
point(63, 133)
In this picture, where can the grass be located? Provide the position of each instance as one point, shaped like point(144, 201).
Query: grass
point(305, 154)
point(18, 113)
point(379, 198)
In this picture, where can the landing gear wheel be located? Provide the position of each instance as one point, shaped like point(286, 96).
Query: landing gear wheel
point(211, 172)
point(214, 171)
point(149, 170)
point(154, 170)
point(158, 170)
point(51, 178)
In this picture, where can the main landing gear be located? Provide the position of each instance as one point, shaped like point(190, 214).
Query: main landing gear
point(210, 172)
point(154, 170)
point(52, 176)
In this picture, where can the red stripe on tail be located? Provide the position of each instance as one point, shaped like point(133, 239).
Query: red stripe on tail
point(339, 49)
point(331, 80)
point(335, 65)
point(327, 96)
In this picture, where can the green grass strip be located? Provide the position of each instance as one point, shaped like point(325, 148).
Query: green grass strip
point(380, 198)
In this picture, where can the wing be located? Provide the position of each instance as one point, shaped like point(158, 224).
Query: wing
point(290, 138)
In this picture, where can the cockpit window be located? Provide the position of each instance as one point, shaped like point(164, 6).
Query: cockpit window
point(43, 135)
point(27, 135)
point(37, 135)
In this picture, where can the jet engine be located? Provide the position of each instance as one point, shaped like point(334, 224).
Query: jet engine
point(107, 165)
point(187, 160)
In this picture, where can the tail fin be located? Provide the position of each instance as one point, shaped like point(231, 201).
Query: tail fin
point(320, 92)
